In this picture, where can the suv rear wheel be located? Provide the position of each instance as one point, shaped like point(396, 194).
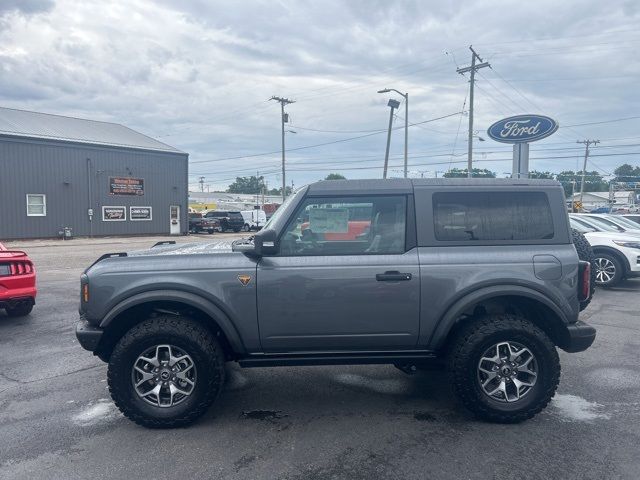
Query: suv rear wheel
point(609, 270)
point(166, 372)
point(504, 368)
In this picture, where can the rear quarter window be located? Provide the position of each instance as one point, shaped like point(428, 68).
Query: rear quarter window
point(492, 216)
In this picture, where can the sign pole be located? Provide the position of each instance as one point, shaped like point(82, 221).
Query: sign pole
point(520, 160)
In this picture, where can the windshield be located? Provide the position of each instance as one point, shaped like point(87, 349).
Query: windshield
point(581, 227)
point(599, 224)
point(611, 225)
point(626, 223)
point(278, 213)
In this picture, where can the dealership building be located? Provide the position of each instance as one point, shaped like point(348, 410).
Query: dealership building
point(69, 176)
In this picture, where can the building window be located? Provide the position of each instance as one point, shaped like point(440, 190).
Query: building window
point(36, 205)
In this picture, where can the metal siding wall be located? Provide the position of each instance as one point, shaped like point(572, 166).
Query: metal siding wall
point(44, 167)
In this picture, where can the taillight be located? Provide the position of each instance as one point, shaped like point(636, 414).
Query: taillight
point(585, 280)
point(20, 268)
point(84, 288)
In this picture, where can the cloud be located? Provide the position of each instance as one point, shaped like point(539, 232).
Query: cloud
point(26, 7)
point(198, 74)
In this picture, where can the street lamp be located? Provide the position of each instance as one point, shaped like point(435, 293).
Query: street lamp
point(406, 122)
point(393, 104)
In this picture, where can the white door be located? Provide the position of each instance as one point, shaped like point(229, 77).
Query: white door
point(174, 220)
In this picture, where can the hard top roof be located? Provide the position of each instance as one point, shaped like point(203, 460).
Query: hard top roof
point(405, 185)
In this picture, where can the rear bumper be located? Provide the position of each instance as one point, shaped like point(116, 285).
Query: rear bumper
point(579, 336)
point(88, 335)
point(13, 302)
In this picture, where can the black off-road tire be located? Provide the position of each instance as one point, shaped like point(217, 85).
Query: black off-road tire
point(194, 339)
point(468, 347)
point(585, 252)
point(21, 310)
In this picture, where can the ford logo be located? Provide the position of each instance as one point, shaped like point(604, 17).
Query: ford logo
point(522, 128)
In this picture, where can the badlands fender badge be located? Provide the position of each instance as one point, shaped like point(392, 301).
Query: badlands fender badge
point(244, 279)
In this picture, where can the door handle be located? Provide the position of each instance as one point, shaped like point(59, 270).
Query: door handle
point(393, 276)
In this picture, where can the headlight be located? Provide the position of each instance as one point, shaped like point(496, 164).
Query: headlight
point(627, 244)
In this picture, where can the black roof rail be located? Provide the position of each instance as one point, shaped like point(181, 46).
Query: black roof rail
point(107, 255)
point(164, 242)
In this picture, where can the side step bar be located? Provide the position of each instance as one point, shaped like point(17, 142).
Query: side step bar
point(351, 358)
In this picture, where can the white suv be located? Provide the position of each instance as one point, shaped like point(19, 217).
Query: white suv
point(616, 255)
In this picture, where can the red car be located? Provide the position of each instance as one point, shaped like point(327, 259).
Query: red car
point(17, 282)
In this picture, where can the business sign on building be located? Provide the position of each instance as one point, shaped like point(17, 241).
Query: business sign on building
point(126, 186)
point(114, 214)
point(522, 129)
point(139, 213)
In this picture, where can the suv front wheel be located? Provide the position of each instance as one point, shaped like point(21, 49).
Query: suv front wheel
point(504, 368)
point(166, 372)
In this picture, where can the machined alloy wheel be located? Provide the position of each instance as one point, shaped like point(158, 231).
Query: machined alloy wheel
point(164, 375)
point(605, 270)
point(245, 228)
point(507, 371)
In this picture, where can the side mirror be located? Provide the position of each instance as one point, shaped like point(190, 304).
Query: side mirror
point(266, 242)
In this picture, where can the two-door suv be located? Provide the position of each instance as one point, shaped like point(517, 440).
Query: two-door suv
point(480, 273)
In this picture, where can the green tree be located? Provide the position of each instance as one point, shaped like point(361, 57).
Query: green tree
point(249, 185)
point(541, 175)
point(335, 176)
point(627, 173)
point(278, 191)
point(593, 181)
point(476, 173)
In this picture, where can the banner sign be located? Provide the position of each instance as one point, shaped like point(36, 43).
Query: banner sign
point(522, 129)
point(139, 213)
point(126, 186)
point(114, 214)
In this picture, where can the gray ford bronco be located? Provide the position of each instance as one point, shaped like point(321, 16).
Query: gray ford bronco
point(481, 274)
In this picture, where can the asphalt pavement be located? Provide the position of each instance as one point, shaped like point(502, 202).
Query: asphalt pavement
point(57, 420)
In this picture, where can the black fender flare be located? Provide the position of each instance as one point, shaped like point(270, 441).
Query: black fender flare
point(453, 313)
point(220, 317)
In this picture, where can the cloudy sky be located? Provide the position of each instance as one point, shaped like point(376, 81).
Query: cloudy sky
point(197, 74)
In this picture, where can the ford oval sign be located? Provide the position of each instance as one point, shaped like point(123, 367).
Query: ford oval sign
point(522, 129)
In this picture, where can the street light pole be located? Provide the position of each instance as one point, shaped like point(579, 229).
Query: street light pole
point(393, 104)
point(406, 123)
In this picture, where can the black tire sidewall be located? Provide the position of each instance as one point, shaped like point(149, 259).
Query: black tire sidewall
point(209, 379)
point(20, 311)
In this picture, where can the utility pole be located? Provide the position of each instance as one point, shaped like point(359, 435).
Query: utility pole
point(201, 181)
point(472, 69)
point(393, 104)
point(586, 144)
point(284, 119)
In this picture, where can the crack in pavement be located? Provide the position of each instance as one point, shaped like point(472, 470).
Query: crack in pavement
point(27, 382)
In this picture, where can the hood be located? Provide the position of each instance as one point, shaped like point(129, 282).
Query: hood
point(223, 246)
point(622, 236)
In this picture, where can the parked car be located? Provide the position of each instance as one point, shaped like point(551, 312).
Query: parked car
point(253, 219)
point(17, 282)
point(616, 254)
point(612, 220)
point(198, 223)
point(480, 273)
point(228, 220)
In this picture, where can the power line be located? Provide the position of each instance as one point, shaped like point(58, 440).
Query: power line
point(320, 144)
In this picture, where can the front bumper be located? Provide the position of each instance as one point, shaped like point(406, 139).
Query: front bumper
point(578, 337)
point(88, 335)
